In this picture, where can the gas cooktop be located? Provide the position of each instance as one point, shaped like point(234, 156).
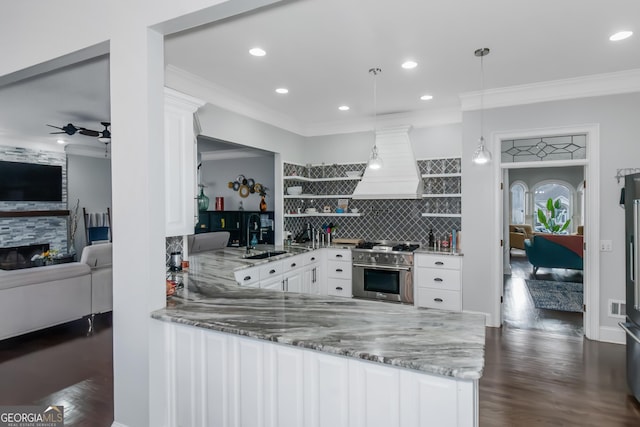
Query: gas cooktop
point(387, 246)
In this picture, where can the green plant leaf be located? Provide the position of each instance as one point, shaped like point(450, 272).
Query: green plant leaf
point(550, 204)
point(557, 204)
point(542, 218)
point(566, 224)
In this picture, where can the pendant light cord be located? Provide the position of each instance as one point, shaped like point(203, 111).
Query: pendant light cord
point(482, 99)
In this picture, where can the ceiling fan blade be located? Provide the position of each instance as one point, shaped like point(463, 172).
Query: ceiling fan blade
point(69, 129)
point(89, 132)
point(56, 133)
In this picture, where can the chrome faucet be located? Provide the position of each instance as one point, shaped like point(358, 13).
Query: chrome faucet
point(249, 230)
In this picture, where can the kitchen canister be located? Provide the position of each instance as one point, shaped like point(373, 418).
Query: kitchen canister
point(219, 203)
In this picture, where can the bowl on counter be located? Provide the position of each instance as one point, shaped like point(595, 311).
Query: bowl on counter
point(310, 210)
point(353, 174)
point(354, 210)
point(295, 190)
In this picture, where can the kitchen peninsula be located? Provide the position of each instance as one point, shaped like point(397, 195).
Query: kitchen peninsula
point(235, 355)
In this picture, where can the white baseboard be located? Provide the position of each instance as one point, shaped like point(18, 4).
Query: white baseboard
point(612, 334)
point(487, 316)
point(117, 424)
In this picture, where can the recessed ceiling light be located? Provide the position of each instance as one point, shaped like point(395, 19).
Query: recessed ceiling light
point(426, 97)
point(621, 35)
point(61, 141)
point(282, 90)
point(343, 108)
point(256, 51)
point(407, 65)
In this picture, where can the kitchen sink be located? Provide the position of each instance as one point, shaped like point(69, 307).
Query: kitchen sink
point(264, 255)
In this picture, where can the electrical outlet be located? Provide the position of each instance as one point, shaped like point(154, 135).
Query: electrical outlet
point(606, 246)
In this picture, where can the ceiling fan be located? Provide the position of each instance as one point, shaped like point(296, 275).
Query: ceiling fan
point(70, 129)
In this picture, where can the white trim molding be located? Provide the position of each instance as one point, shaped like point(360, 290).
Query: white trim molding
point(555, 90)
point(592, 326)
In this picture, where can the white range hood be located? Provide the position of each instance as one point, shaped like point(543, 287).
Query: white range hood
point(399, 176)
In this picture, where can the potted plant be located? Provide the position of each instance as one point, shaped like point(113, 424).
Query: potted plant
point(550, 220)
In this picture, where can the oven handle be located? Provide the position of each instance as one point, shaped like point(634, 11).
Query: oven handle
point(382, 267)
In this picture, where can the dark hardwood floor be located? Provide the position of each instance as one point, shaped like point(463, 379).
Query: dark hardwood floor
point(62, 366)
point(518, 309)
point(531, 378)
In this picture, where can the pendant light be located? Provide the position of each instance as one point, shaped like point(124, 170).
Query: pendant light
point(481, 155)
point(375, 161)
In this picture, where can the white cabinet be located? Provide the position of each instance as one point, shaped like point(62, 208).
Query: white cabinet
point(438, 281)
point(313, 282)
point(338, 272)
point(209, 378)
point(248, 277)
point(181, 212)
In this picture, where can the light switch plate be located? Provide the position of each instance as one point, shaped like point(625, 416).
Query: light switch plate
point(606, 246)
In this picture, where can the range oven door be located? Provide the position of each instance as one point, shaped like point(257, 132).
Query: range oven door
point(383, 282)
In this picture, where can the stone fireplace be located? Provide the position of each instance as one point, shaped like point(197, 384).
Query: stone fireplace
point(16, 257)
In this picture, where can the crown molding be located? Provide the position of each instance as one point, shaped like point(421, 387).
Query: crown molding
point(555, 90)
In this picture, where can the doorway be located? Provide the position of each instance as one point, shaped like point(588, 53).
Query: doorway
point(544, 299)
point(588, 161)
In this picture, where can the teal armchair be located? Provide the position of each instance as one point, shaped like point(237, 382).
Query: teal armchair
point(554, 251)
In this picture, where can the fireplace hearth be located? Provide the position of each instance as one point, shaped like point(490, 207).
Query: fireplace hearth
point(17, 257)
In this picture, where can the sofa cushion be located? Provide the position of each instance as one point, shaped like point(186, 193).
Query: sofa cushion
point(97, 255)
point(49, 273)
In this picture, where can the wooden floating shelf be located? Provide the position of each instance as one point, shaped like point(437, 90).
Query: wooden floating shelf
point(318, 196)
point(429, 195)
point(303, 215)
point(304, 178)
point(23, 214)
point(441, 175)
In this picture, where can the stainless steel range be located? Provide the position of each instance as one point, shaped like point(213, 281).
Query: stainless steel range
point(384, 271)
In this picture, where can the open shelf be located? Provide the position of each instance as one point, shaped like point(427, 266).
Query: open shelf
point(304, 178)
point(428, 195)
point(304, 215)
point(441, 175)
point(319, 196)
point(441, 215)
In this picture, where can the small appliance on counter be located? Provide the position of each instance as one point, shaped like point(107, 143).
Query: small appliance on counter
point(175, 261)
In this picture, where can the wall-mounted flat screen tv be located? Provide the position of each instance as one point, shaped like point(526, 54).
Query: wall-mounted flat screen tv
point(30, 182)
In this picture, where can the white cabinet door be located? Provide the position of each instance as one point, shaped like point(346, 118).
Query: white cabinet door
point(274, 283)
point(181, 213)
point(293, 281)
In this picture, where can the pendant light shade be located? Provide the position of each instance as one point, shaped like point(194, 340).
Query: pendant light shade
point(375, 161)
point(481, 155)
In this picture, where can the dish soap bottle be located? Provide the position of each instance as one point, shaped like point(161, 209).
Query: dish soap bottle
point(254, 240)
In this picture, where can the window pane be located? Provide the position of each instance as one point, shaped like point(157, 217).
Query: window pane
point(566, 147)
point(554, 191)
point(517, 204)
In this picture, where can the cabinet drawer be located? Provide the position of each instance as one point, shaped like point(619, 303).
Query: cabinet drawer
point(339, 269)
point(339, 287)
point(312, 258)
point(339, 254)
point(437, 298)
point(248, 277)
point(270, 269)
point(438, 261)
point(292, 263)
point(438, 278)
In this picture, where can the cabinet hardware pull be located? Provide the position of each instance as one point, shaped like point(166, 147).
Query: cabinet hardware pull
point(313, 258)
point(272, 271)
point(437, 279)
point(439, 263)
point(437, 299)
point(293, 264)
point(338, 288)
point(339, 270)
point(338, 255)
point(247, 278)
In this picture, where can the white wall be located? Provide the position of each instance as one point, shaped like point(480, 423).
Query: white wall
point(89, 180)
point(215, 174)
point(436, 141)
point(619, 148)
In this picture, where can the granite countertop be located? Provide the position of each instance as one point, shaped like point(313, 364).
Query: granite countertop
point(432, 341)
point(425, 250)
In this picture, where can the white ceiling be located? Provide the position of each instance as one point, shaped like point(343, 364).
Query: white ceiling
point(321, 50)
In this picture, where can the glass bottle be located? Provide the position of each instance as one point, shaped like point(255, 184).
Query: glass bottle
point(203, 200)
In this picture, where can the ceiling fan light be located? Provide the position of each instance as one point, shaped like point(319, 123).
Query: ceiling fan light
point(105, 140)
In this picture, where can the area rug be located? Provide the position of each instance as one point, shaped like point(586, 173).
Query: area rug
point(561, 296)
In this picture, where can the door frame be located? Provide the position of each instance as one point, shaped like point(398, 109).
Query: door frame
point(591, 165)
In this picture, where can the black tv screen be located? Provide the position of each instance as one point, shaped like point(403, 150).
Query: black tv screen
point(30, 182)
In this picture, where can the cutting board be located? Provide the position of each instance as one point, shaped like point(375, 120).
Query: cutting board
point(347, 241)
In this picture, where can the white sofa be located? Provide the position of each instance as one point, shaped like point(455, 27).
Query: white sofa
point(40, 297)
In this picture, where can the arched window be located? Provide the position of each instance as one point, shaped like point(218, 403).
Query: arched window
point(518, 202)
point(555, 190)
